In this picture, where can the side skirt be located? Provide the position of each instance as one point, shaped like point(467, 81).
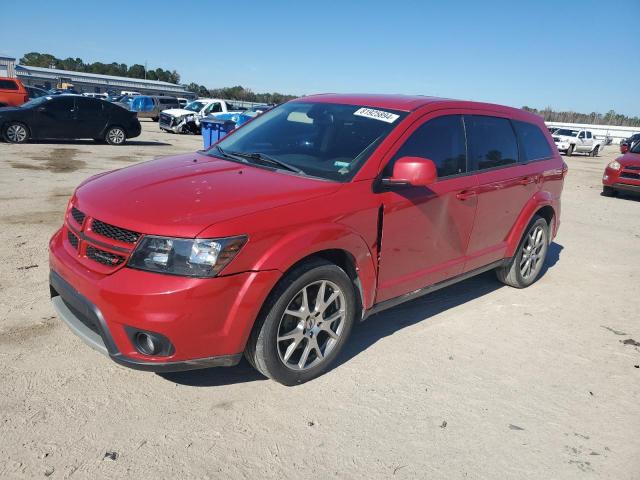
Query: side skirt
point(392, 302)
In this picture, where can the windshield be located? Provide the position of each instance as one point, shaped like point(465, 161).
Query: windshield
point(195, 106)
point(324, 140)
point(35, 102)
point(566, 132)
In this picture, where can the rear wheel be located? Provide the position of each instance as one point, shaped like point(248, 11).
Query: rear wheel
point(526, 264)
point(570, 150)
point(155, 119)
point(609, 191)
point(304, 324)
point(115, 136)
point(16, 132)
point(595, 151)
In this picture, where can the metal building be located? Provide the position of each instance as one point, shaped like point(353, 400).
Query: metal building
point(7, 66)
point(48, 78)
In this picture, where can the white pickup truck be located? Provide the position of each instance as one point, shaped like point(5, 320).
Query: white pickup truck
point(185, 120)
point(572, 141)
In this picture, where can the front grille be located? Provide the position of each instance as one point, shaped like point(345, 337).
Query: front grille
point(632, 167)
point(165, 119)
point(116, 233)
point(103, 257)
point(635, 176)
point(73, 240)
point(77, 215)
point(556, 139)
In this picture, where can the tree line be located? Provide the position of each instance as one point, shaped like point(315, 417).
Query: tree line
point(46, 60)
point(239, 93)
point(594, 118)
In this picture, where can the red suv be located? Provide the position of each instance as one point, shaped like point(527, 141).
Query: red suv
point(623, 174)
point(12, 92)
point(305, 220)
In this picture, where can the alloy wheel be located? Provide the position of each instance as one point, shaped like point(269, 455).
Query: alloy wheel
point(16, 133)
point(533, 252)
point(116, 135)
point(311, 325)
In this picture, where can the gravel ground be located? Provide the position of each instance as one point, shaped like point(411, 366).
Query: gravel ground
point(475, 381)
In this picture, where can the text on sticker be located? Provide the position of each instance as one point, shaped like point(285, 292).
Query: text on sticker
point(377, 114)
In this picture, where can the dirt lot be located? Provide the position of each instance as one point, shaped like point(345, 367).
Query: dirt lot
point(475, 381)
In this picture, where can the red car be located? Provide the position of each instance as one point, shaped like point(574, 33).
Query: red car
point(623, 174)
point(12, 92)
point(307, 219)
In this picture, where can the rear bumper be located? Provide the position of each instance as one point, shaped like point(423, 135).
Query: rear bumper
point(207, 321)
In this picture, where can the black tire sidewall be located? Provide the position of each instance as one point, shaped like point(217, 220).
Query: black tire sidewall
point(522, 281)
point(266, 346)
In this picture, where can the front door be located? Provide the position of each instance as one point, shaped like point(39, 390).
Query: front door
point(54, 119)
point(425, 231)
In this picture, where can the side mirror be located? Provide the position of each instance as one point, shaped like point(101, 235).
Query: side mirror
point(415, 171)
point(624, 148)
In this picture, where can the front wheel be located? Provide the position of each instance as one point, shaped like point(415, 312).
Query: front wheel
point(526, 264)
point(570, 150)
point(304, 324)
point(115, 136)
point(16, 132)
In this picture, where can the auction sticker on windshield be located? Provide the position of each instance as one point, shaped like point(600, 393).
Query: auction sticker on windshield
point(377, 114)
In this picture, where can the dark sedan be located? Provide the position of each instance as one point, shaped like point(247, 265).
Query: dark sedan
point(68, 116)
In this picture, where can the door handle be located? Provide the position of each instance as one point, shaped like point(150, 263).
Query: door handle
point(466, 194)
point(526, 180)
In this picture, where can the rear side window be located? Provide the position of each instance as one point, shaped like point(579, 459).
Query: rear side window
point(89, 106)
point(588, 134)
point(8, 85)
point(441, 140)
point(491, 142)
point(533, 143)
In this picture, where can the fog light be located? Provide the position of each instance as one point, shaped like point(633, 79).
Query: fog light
point(605, 177)
point(146, 344)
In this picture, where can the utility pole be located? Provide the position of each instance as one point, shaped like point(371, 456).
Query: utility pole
point(145, 69)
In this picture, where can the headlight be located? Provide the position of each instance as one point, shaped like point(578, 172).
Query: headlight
point(188, 257)
point(615, 165)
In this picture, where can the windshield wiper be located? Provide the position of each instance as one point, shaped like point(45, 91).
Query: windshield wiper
point(229, 155)
point(263, 158)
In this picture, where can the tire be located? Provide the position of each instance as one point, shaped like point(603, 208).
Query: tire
point(293, 348)
point(595, 151)
point(115, 136)
point(524, 268)
point(155, 119)
point(570, 150)
point(608, 191)
point(16, 132)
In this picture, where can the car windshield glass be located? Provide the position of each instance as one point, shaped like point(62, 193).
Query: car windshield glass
point(565, 132)
point(35, 102)
point(195, 106)
point(323, 140)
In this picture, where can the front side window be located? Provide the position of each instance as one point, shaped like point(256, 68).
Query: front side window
point(441, 140)
point(565, 132)
point(533, 143)
point(491, 142)
point(325, 140)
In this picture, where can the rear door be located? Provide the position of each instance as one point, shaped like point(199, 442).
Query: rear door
point(55, 118)
point(425, 231)
point(505, 185)
point(90, 118)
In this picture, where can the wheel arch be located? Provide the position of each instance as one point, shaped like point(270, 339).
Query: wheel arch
point(541, 204)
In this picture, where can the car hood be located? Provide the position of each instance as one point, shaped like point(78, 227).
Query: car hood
point(180, 196)
point(563, 138)
point(629, 159)
point(178, 112)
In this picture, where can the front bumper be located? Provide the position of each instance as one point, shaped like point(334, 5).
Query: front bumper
point(208, 321)
point(627, 178)
point(563, 146)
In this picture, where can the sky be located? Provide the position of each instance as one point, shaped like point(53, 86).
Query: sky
point(567, 54)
